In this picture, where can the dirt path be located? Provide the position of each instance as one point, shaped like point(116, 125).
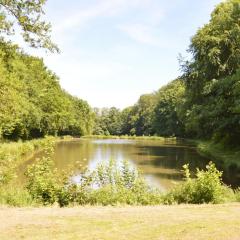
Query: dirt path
point(120, 223)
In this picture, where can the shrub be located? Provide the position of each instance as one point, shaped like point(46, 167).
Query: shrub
point(44, 182)
point(207, 187)
point(121, 184)
point(109, 184)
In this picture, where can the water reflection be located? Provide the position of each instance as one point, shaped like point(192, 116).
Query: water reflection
point(160, 161)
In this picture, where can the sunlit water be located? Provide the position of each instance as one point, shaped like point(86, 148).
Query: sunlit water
point(160, 161)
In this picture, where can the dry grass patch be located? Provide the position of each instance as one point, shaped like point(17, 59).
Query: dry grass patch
point(218, 222)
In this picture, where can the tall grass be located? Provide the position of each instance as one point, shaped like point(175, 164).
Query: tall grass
point(14, 153)
point(16, 197)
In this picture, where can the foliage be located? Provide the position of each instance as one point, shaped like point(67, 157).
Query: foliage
point(32, 103)
point(128, 137)
point(212, 77)
point(207, 187)
point(108, 121)
point(122, 185)
point(28, 16)
point(11, 154)
point(153, 114)
point(43, 184)
point(135, 120)
point(141, 115)
point(15, 197)
point(7, 166)
point(218, 117)
point(166, 113)
point(109, 184)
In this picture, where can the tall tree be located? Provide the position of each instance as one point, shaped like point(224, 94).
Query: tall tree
point(216, 56)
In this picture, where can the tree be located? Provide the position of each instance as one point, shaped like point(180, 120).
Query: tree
point(219, 117)
point(210, 96)
point(32, 102)
point(28, 16)
point(141, 115)
point(166, 113)
point(108, 121)
point(127, 127)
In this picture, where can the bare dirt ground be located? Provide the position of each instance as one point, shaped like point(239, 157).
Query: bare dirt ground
point(188, 222)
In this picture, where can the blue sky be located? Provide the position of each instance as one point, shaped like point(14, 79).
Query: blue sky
point(112, 51)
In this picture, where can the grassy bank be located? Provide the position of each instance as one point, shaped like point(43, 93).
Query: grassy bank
point(219, 152)
point(201, 222)
point(12, 154)
point(128, 137)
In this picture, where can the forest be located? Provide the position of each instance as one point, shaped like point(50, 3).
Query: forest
point(32, 103)
point(202, 103)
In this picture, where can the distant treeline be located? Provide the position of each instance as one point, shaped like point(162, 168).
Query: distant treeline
point(202, 103)
point(32, 103)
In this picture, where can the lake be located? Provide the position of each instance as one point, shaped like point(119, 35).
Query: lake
point(160, 161)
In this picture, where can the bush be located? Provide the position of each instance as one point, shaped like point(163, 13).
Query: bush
point(207, 187)
point(107, 185)
point(44, 182)
point(15, 197)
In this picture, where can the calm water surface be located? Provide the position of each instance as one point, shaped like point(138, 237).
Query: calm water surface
point(160, 161)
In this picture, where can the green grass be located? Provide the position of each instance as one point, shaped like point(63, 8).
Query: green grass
point(183, 222)
point(15, 197)
point(219, 152)
point(129, 137)
point(13, 154)
point(20, 150)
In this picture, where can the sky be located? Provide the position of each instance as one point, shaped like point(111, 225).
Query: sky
point(113, 51)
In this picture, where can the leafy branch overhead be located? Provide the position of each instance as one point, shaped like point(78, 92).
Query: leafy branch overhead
point(28, 16)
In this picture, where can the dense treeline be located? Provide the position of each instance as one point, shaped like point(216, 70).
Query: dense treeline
point(153, 114)
point(32, 103)
point(203, 102)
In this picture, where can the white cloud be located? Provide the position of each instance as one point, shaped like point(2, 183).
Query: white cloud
point(141, 33)
point(101, 8)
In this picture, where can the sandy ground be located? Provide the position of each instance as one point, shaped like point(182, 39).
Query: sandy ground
point(142, 223)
